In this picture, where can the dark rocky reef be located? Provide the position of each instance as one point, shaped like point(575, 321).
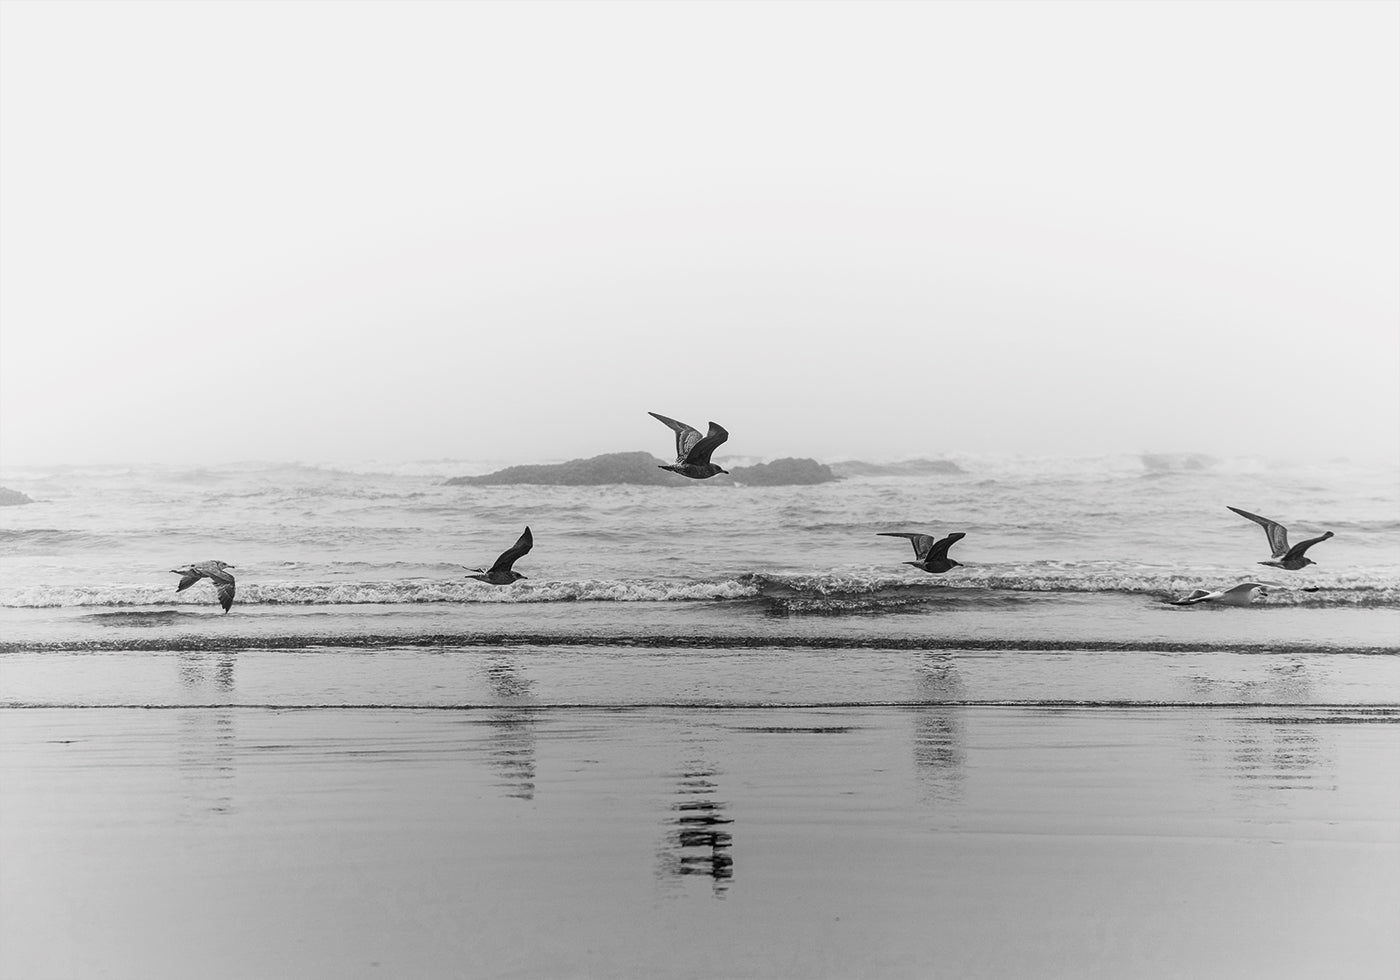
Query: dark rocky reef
point(635, 468)
point(912, 467)
point(644, 469)
point(12, 498)
point(784, 472)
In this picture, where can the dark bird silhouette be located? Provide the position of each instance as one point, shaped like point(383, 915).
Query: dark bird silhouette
point(692, 450)
point(932, 555)
point(500, 573)
point(212, 570)
point(1283, 556)
point(1239, 595)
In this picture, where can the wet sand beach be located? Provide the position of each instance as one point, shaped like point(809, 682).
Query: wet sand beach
point(556, 812)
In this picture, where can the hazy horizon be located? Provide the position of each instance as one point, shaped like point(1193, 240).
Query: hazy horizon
point(318, 232)
point(1184, 461)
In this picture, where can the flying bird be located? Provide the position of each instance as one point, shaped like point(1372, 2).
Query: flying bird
point(500, 573)
point(1283, 556)
point(932, 555)
point(693, 450)
point(1239, 595)
point(212, 570)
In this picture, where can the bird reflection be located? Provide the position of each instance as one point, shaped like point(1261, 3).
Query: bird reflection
point(196, 674)
point(940, 752)
point(1283, 683)
point(697, 841)
point(207, 735)
point(1273, 753)
point(1273, 747)
point(512, 743)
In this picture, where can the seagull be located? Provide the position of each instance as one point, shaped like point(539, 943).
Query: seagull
point(500, 573)
point(693, 451)
point(1239, 595)
point(212, 570)
point(1284, 556)
point(932, 555)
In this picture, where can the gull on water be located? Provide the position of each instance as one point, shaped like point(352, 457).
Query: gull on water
point(500, 573)
point(1283, 556)
point(932, 555)
point(1238, 595)
point(692, 450)
point(212, 570)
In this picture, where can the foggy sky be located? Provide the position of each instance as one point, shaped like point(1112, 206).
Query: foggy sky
point(360, 231)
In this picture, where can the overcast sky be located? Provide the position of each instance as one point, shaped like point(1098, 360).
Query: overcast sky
point(331, 231)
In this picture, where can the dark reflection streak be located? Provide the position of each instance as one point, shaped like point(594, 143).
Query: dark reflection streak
point(223, 677)
point(207, 735)
point(698, 841)
point(512, 750)
point(940, 753)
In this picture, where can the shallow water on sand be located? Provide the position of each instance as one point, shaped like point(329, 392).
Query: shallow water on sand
point(592, 810)
point(873, 841)
point(528, 677)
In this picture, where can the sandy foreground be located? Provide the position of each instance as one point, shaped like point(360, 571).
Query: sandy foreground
point(538, 814)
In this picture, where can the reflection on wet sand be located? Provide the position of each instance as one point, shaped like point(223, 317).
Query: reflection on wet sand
point(512, 743)
point(197, 675)
point(1289, 682)
point(208, 739)
point(1277, 754)
point(1277, 751)
point(697, 842)
point(940, 752)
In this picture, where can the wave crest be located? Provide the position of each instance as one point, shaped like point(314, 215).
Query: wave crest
point(847, 591)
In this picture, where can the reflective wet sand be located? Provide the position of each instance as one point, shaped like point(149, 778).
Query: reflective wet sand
point(525, 838)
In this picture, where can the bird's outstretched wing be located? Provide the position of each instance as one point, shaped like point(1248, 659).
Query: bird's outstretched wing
point(515, 552)
point(1278, 534)
point(940, 550)
point(225, 592)
point(1193, 598)
point(686, 437)
point(699, 454)
point(1298, 549)
point(921, 542)
point(188, 577)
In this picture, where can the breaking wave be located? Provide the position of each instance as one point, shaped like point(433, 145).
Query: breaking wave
point(822, 593)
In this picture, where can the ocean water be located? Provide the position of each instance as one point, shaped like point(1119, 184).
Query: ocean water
point(1063, 551)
